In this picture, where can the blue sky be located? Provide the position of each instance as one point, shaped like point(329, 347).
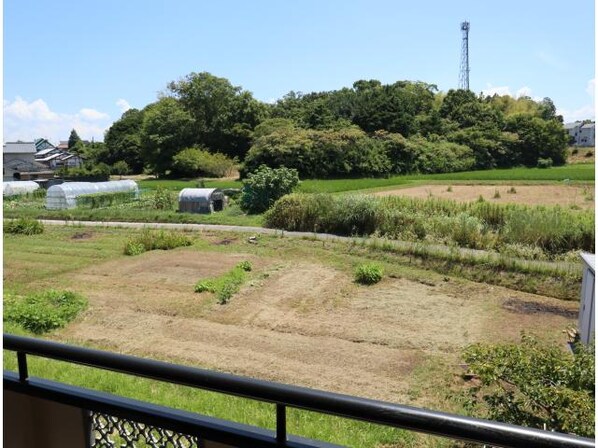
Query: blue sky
point(81, 64)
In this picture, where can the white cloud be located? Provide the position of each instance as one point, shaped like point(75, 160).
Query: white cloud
point(506, 90)
point(27, 121)
point(93, 115)
point(491, 90)
point(586, 112)
point(123, 105)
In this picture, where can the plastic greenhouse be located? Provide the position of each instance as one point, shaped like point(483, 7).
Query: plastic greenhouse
point(18, 187)
point(65, 195)
point(201, 200)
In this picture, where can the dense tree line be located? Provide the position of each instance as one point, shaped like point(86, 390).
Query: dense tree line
point(370, 129)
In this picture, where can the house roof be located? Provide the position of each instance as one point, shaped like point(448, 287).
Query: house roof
point(572, 125)
point(19, 148)
point(50, 157)
point(589, 125)
point(43, 152)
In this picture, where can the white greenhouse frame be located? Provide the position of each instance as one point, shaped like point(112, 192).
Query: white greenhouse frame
point(201, 200)
point(65, 195)
point(18, 187)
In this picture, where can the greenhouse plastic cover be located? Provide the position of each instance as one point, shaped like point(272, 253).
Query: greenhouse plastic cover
point(16, 187)
point(197, 194)
point(65, 195)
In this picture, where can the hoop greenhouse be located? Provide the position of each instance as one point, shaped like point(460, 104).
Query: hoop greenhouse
point(201, 200)
point(65, 195)
point(15, 188)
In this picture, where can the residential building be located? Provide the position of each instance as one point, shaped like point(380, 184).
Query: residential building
point(19, 157)
point(582, 133)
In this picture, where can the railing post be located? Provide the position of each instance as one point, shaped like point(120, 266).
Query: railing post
point(22, 361)
point(281, 424)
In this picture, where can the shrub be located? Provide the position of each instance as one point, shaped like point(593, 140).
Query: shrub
point(544, 163)
point(194, 162)
point(368, 274)
point(589, 154)
point(263, 187)
point(534, 385)
point(44, 311)
point(153, 240)
point(163, 199)
point(23, 226)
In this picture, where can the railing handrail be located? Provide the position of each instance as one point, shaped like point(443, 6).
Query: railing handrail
point(373, 411)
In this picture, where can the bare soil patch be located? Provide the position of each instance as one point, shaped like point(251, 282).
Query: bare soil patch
point(524, 307)
point(564, 195)
point(299, 322)
point(82, 236)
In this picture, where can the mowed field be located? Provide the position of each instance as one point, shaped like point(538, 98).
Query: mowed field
point(579, 196)
point(299, 319)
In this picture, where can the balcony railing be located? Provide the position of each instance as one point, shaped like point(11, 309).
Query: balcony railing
point(144, 423)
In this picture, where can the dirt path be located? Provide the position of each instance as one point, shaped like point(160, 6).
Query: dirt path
point(298, 322)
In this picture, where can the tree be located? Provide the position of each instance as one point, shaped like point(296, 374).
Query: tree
point(167, 128)
point(537, 138)
point(73, 139)
point(121, 168)
point(123, 141)
point(224, 115)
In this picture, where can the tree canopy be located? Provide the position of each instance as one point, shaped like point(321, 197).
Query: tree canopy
point(370, 129)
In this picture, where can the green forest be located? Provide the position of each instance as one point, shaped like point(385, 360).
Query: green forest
point(202, 125)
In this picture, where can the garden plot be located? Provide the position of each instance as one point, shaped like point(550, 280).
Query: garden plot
point(563, 195)
point(300, 322)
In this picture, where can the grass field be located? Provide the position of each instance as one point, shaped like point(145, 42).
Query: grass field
point(574, 173)
point(398, 340)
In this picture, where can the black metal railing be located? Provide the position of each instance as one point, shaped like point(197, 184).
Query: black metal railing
point(281, 395)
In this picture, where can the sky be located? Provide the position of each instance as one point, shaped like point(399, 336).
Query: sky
point(81, 64)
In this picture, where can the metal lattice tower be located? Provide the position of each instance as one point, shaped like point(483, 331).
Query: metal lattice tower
point(464, 72)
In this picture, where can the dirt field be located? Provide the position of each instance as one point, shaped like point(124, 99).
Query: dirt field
point(299, 321)
point(564, 195)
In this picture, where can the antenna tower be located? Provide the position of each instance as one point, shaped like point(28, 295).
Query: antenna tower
point(464, 72)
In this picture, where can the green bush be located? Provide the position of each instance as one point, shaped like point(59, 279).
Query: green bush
point(163, 199)
point(193, 162)
point(263, 187)
point(368, 274)
point(544, 163)
point(155, 240)
point(42, 312)
point(23, 226)
point(531, 384)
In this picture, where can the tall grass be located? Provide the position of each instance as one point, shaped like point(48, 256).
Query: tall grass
point(479, 225)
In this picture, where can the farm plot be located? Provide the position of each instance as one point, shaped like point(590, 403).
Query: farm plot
point(299, 319)
point(563, 195)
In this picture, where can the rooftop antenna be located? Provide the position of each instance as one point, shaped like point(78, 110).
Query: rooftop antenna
point(464, 72)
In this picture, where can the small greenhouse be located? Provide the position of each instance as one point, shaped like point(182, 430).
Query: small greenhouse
point(201, 200)
point(65, 195)
point(18, 187)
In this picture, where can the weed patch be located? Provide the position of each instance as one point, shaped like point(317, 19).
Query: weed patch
point(368, 274)
point(225, 286)
point(43, 312)
point(24, 226)
point(152, 240)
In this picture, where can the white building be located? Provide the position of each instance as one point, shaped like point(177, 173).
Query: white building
point(582, 134)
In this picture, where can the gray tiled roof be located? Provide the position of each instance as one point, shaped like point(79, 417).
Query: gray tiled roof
point(19, 147)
